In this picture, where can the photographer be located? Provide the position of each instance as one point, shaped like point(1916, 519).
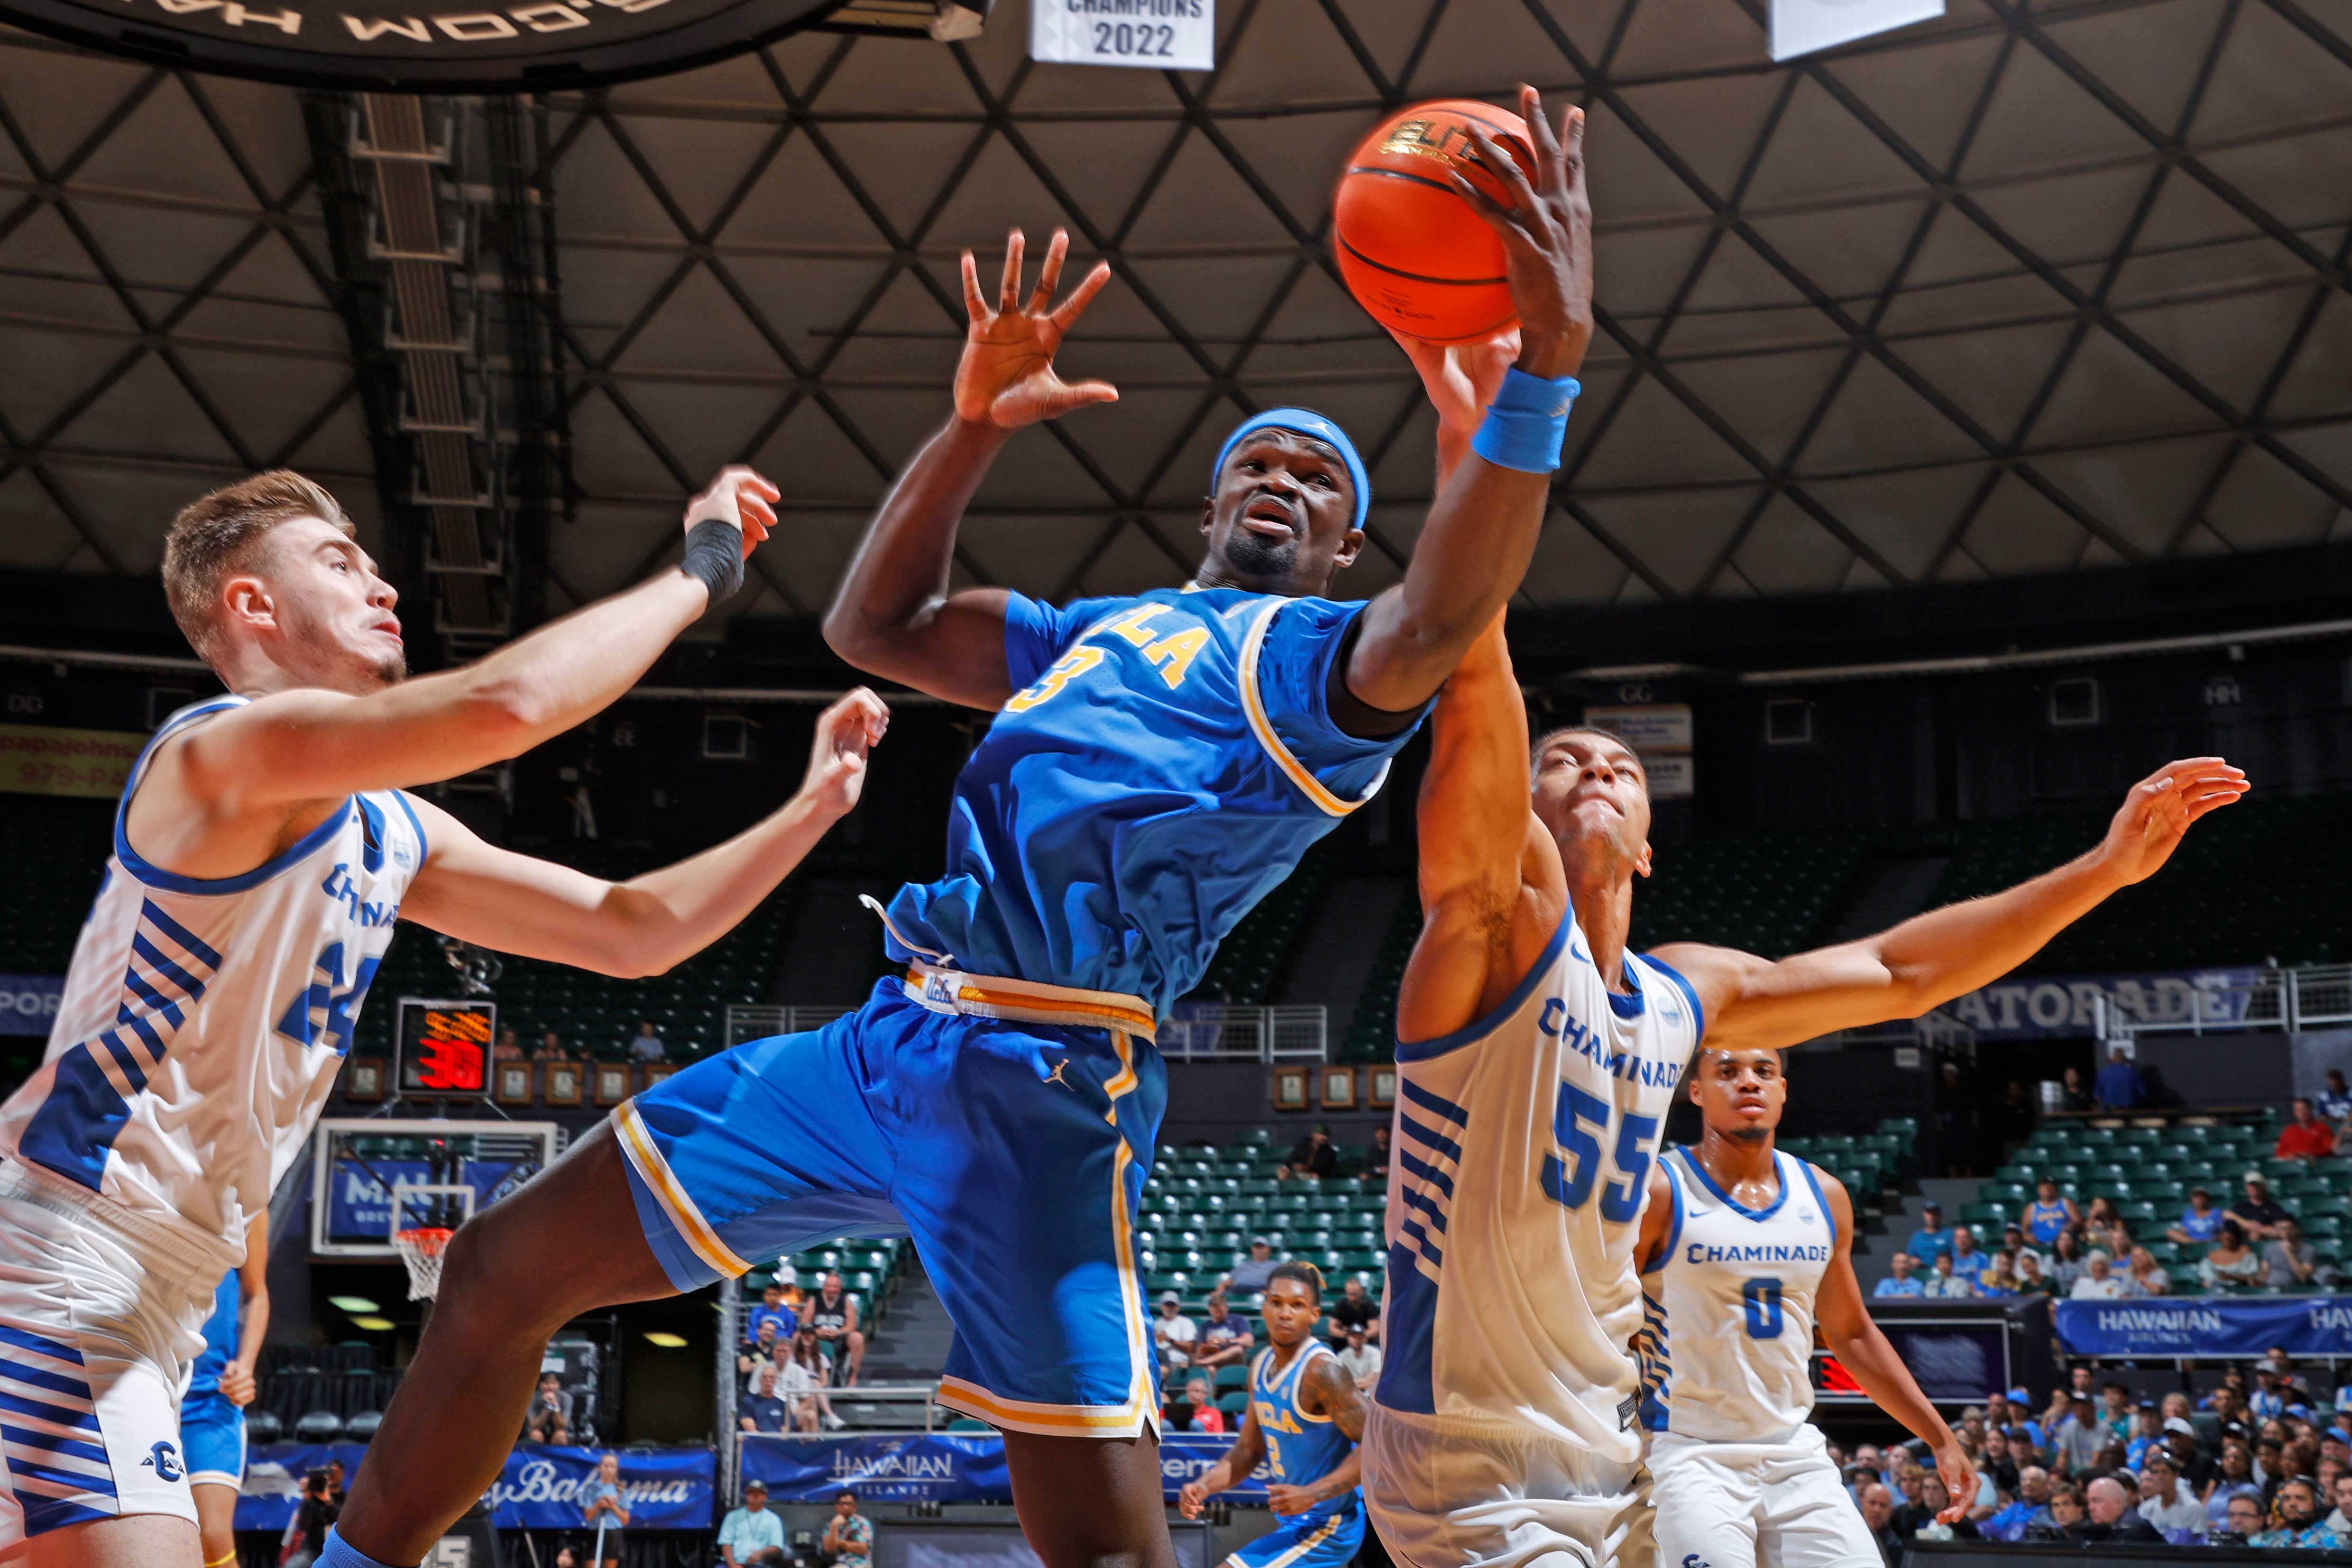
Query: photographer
point(316, 1513)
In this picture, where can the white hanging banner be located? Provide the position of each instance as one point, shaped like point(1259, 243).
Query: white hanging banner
point(1802, 26)
point(1158, 35)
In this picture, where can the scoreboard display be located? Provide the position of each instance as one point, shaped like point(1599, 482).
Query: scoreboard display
point(445, 1049)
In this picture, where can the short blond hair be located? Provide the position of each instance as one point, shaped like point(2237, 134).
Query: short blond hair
point(214, 534)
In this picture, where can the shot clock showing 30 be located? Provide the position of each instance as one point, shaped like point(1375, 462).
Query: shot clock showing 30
point(1160, 35)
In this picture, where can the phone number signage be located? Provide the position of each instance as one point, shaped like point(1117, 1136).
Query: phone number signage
point(36, 760)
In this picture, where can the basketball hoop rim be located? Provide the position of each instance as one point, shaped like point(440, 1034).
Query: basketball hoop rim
point(427, 1239)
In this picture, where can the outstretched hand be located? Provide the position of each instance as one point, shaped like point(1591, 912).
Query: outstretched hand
point(1960, 1478)
point(740, 495)
point(2159, 811)
point(1006, 377)
point(1547, 231)
point(1461, 379)
point(845, 732)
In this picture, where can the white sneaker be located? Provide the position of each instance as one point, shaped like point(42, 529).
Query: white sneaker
point(834, 1423)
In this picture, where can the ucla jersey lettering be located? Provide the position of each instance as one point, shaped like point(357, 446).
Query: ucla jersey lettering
point(204, 1019)
point(1164, 761)
point(1299, 1447)
point(1523, 1147)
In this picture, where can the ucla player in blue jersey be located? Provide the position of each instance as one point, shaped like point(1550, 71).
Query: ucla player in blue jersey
point(1157, 763)
point(212, 1412)
point(1305, 1415)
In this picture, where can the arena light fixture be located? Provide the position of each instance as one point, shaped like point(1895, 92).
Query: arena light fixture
point(372, 1325)
point(354, 1305)
point(665, 1338)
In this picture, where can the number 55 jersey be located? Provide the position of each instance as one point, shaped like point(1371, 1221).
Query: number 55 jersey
point(1522, 1155)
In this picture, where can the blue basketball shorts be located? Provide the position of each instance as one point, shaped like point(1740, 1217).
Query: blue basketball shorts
point(1312, 1540)
point(212, 1440)
point(1006, 1127)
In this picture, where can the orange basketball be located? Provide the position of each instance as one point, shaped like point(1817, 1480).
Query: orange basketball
point(1412, 251)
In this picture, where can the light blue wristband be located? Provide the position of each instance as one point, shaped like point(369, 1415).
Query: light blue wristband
point(1528, 423)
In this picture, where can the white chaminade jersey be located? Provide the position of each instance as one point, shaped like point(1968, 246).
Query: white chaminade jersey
point(1727, 1343)
point(1522, 1150)
point(203, 1019)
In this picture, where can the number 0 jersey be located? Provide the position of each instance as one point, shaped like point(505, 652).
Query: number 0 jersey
point(1167, 760)
point(1522, 1151)
point(1727, 1343)
point(203, 1019)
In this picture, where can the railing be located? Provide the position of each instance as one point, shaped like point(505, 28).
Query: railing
point(1210, 1031)
point(925, 1394)
point(757, 1023)
point(2269, 999)
point(1933, 1030)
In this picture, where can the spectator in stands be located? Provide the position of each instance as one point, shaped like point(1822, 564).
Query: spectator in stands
point(833, 1312)
point(764, 1408)
point(2233, 1264)
point(1900, 1283)
point(606, 1509)
point(336, 1490)
point(2114, 1514)
point(1912, 1512)
point(313, 1516)
point(1173, 1331)
point(1999, 1277)
point(1375, 1155)
point(2256, 1211)
point(2114, 1412)
point(2120, 1085)
point(1995, 1462)
point(762, 1349)
point(2146, 1276)
point(2029, 1507)
point(2072, 1095)
point(2098, 1282)
point(1877, 1506)
point(2049, 1212)
point(1967, 1258)
point(1355, 1309)
point(1225, 1339)
point(647, 1046)
point(1931, 1239)
point(1206, 1417)
point(2031, 1278)
point(550, 1049)
point(1947, 1283)
point(508, 1048)
point(2104, 1229)
point(2241, 1520)
point(1249, 1277)
point(2198, 1467)
point(1360, 1359)
point(2340, 1521)
point(802, 1381)
point(771, 1313)
point(2066, 1261)
point(1313, 1157)
point(2074, 1445)
point(2307, 1137)
point(2200, 1223)
point(848, 1536)
point(2299, 1525)
point(2292, 1262)
point(2236, 1479)
point(2265, 1403)
point(2013, 1242)
point(2066, 1515)
point(751, 1535)
point(550, 1420)
point(2334, 1101)
point(2166, 1501)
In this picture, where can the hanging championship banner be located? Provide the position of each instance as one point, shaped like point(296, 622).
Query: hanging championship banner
point(1158, 35)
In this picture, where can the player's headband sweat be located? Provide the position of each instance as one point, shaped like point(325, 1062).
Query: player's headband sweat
point(1301, 421)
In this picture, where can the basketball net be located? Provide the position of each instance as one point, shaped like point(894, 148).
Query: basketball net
point(420, 1248)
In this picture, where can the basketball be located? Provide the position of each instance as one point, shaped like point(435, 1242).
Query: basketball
point(1411, 250)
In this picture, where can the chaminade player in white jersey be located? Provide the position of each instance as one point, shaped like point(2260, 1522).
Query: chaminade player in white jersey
point(1536, 1064)
point(1743, 1251)
point(265, 844)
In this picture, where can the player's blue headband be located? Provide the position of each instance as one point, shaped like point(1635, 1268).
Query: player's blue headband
point(1301, 421)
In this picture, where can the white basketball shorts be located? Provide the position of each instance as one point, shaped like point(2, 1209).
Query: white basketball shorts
point(97, 1332)
point(1755, 1505)
point(1452, 1494)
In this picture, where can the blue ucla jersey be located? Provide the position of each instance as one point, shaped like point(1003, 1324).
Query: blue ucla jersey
point(220, 1336)
point(1299, 1447)
point(1165, 761)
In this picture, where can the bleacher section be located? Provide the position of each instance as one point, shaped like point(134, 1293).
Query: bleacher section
point(2147, 1171)
point(1870, 1164)
point(1258, 952)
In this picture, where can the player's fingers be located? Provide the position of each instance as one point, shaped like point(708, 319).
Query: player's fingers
point(1092, 284)
point(763, 484)
point(974, 306)
point(1008, 291)
point(1499, 162)
point(1571, 143)
point(1498, 217)
point(1049, 279)
point(1548, 162)
point(1080, 393)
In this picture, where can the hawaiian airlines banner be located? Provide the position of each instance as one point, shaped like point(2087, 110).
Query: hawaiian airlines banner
point(945, 1467)
point(2215, 1328)
point(2041, 1006)
point(542, 1487)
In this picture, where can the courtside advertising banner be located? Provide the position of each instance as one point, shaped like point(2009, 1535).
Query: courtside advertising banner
point(2215, 1328)
point(1158, 35)
point(36, 760)
point(542, 1487)
point(947, 1467)
point(29, 1003)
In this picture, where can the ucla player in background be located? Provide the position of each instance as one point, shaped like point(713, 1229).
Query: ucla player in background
point(1158, 762)
point(212, 1412)
point(1305, 1416)
point(264, 845)
point(1536, 1060)
point(1743, 1251)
